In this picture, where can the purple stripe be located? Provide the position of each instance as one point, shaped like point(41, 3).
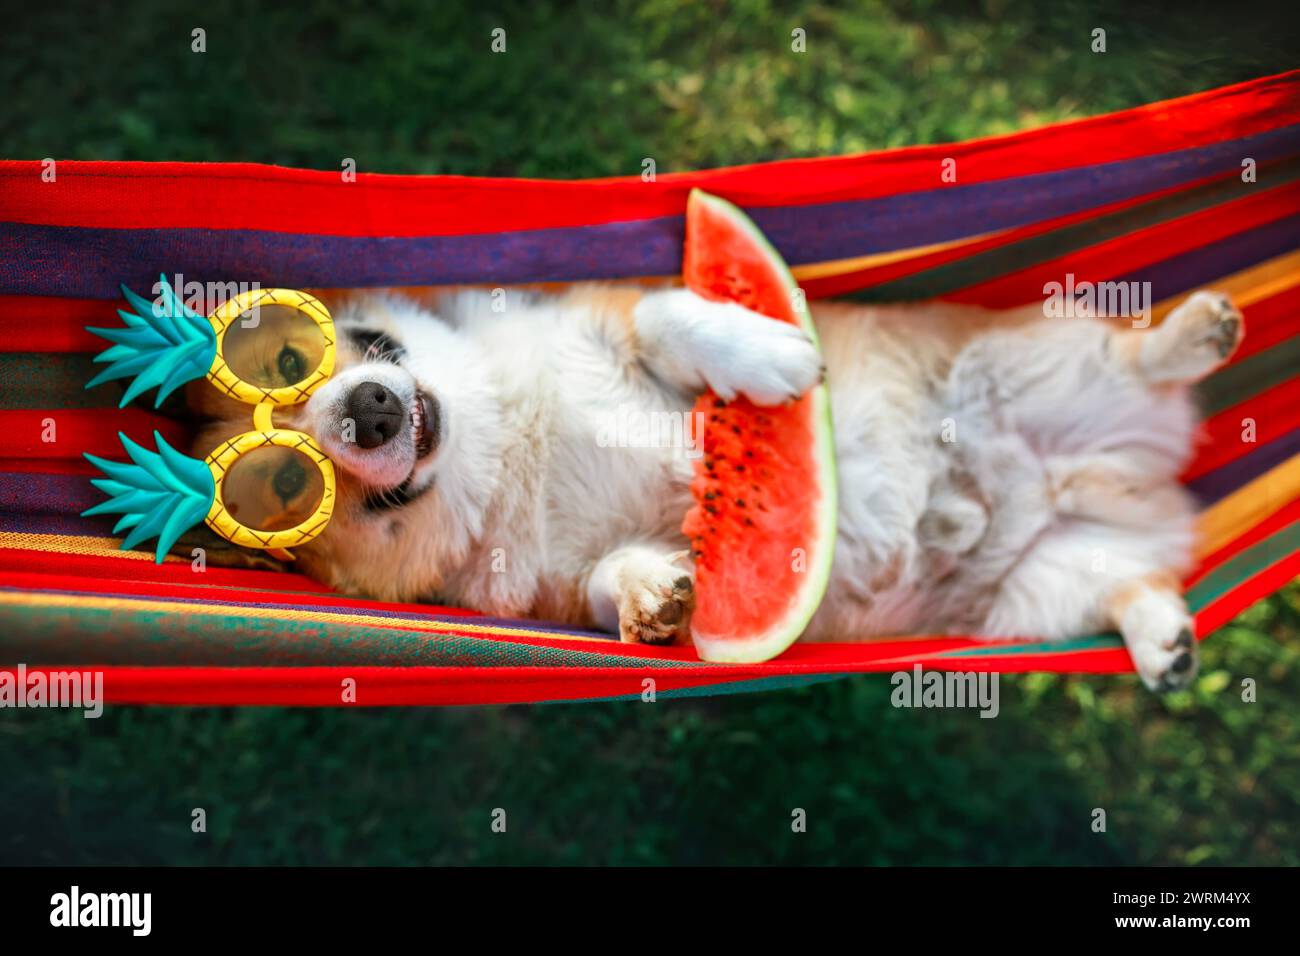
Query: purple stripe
point(1218, 484)
point(843, 229)
point(42, 493)
point(89, 263)
point(37, 503)
point(1217, 260)
point(16, 522)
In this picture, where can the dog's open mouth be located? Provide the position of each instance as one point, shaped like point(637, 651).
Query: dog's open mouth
point(426, 424)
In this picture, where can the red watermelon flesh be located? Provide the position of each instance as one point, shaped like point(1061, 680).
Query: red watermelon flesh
point(762, 528)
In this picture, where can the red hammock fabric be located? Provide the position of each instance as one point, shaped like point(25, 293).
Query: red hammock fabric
point(1153, 194)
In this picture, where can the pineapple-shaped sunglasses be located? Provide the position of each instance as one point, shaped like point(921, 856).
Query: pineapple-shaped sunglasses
point(266, 488)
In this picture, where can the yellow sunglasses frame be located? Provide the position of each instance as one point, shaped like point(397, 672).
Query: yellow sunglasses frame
point(264, 433)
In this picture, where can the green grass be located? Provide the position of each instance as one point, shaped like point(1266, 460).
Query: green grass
point(1197, 777)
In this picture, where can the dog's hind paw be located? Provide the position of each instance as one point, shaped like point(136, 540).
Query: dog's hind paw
point(1158, 633)
point(1194, 340)
point(1167, 666)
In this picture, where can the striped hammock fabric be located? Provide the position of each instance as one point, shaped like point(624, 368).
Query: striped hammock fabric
point(1203, 190)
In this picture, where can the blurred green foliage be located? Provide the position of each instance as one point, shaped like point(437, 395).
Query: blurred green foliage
point(590, 89)
point(583, 90)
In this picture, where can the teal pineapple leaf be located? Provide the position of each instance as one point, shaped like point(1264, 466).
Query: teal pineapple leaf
point(158, 494)
point(164, 343)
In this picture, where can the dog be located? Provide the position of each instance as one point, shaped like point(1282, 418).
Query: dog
point(1002, 474)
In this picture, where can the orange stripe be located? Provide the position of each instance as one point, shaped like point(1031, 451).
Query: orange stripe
point(1248, 506)
point(76, 544)
point(860, 265)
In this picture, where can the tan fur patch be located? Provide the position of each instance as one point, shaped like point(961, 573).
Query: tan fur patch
point(1118, 601)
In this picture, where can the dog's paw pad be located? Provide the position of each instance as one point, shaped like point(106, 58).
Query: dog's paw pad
point(1225, 335)
point(1177, 675)
point(655, 603)
point(1216, 325)
point(1160, 639)
point(1167, 665)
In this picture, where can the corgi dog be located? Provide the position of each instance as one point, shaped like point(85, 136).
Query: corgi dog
point(1001, 474)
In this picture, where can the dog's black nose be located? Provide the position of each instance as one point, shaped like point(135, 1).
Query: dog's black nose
point(377, 412)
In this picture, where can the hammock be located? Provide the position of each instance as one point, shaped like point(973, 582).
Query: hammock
point(1154, 194)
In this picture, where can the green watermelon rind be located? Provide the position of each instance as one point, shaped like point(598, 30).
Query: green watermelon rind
point(781, 634)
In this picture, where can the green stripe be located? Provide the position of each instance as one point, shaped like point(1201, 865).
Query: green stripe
point(784, 682)
point(1240, 569)
point(54, 635)
point(1003, 260)
point(64, 635)
point(1251, 376)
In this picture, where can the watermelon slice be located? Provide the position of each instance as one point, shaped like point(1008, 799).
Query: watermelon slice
point(762, 528)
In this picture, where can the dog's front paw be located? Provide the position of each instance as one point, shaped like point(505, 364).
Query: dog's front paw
point(655, 601)
point(767, 361)
point(733, 350)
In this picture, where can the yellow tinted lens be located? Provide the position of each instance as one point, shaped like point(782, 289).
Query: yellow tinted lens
point(272, 346)
point(272, 488)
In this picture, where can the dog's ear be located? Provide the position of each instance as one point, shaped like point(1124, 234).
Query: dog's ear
point(220, 553)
